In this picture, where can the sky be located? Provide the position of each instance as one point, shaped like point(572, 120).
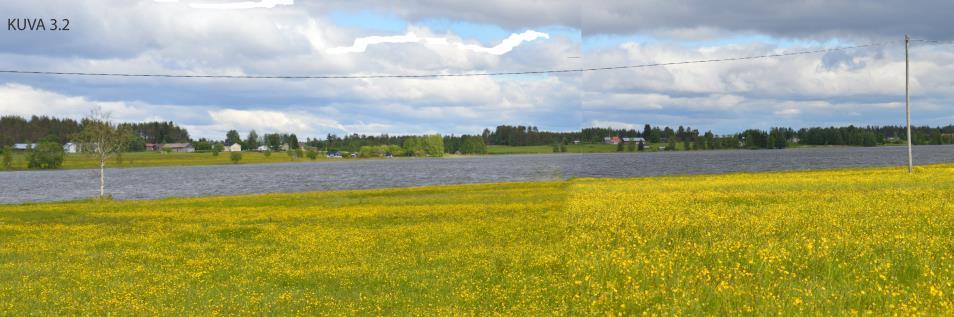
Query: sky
point(862, 86)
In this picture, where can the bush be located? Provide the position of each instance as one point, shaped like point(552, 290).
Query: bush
point(294, 154)
point(312, 154)
point(473, 145)
point(136, 144)
point(7, 157)
point(235, 157)
point(380, 151)
point(216, 149)
point(47, 155)
point(428, 145)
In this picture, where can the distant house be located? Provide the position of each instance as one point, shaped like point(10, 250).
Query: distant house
point(178, 147)
point(576, 141)
point(334, 154)
point(153, 146)
point(611, 140)
point(262, 148)
point(24, 146)
point(70, 147)
point(284, 147)
point(235, 147)
point(634, 140)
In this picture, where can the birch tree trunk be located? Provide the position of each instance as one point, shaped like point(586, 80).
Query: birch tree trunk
point(102, 178)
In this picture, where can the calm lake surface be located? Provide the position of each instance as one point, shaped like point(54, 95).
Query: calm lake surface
point(159, 182)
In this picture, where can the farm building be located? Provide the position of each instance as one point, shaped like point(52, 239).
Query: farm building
point(617, 140)
point(235, 147)
point(611, 140)
point(178, 147)
point(69, 147)
point(24, 146)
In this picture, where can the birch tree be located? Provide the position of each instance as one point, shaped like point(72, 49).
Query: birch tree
point(103, 139)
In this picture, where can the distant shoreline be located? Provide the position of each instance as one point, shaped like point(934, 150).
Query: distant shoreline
point(158, 159)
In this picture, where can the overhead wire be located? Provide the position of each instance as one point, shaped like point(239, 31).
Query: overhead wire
point(469, 74)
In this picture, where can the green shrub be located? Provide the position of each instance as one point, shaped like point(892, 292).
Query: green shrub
point(235, 157)
point(428, 145)
point(47, 155)
point(7, 157)
point(380, 151)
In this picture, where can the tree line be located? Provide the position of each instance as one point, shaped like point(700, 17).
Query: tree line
point(354, 143)
point(690, 138)
point(16, 129)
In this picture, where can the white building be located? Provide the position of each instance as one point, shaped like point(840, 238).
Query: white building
point(24, 146)
point(235, 147)
point(70, 147)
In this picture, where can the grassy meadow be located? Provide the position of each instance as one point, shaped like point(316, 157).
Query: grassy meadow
point(840, 242)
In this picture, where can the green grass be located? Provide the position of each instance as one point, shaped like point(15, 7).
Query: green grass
point(147, 159)
point(866, 241)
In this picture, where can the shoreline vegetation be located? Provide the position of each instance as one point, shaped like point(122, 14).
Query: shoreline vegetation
point(17, 137)
point(19, 161)
point(870, 240)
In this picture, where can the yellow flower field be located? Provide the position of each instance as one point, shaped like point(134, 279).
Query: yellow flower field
point(839, 242)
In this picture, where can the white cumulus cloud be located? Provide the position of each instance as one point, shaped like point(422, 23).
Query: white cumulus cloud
point(266, 4)
point(361, 44)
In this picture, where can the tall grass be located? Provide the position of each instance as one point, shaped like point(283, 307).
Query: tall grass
point(866, 241)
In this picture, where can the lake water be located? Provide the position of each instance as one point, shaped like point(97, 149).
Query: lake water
point(159, 182)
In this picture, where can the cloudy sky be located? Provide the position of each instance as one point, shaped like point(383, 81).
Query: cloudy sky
point(374, 37)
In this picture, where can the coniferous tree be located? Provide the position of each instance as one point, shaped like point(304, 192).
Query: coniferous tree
point(251, 142)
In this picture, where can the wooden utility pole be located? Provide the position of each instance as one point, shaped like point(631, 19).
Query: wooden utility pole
point(907, 100)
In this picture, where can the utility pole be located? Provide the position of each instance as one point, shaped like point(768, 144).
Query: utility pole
point(907, 99)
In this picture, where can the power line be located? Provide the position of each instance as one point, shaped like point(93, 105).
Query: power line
point(438, 75)
point(933, 42)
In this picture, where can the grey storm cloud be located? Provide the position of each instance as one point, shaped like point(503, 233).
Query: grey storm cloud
point(504, 13)
point(786, 18)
